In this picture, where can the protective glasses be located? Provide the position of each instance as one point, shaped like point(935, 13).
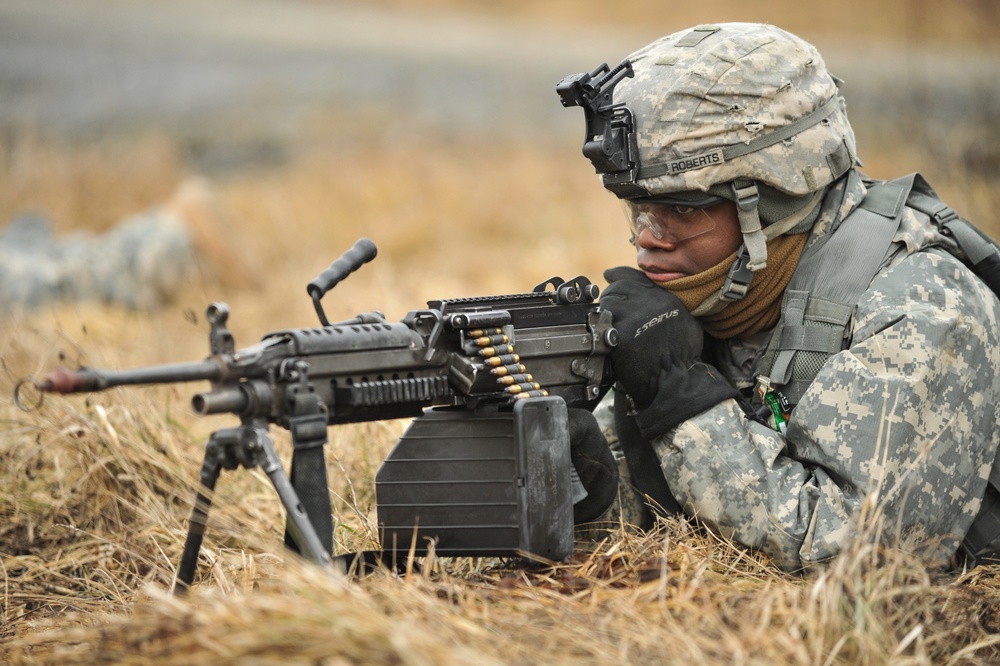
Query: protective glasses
point(678, 218)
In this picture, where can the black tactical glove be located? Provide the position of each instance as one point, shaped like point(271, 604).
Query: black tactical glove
point(657, 359)
point(595, 465)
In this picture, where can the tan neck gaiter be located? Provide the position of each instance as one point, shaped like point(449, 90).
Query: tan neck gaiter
point(760, 309)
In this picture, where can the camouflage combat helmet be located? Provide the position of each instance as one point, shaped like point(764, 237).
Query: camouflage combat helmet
point(742, 111)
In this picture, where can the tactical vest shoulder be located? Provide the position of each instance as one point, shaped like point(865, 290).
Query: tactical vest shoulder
point(821, 297)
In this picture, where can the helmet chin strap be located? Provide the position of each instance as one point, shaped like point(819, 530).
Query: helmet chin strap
point(741, 273)
point(750, 258)
point(746, 196)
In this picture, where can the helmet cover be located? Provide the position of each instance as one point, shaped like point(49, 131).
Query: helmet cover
point(733, 102)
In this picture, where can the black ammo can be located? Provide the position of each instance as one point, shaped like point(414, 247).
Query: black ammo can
point(480, 484)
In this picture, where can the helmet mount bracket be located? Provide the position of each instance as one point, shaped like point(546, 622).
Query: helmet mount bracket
point(610, 142)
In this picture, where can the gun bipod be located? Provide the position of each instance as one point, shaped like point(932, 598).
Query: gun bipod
point(246, 446)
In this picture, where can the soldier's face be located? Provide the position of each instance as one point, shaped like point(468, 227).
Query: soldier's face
point(665, 251)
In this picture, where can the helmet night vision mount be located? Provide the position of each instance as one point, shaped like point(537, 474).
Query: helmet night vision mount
point(610, 142)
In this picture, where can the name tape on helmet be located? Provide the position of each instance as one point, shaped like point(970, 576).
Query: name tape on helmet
point(695, 162)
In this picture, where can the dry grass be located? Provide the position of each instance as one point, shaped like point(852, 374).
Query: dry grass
point(97, 490)
point(98, 498)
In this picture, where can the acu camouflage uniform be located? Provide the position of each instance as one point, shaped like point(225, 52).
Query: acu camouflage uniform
point(900, 425)
point(906, 415)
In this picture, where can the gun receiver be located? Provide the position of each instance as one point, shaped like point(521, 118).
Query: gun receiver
point(487, 380)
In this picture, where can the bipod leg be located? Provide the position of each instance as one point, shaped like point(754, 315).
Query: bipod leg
point(246, 446)
point(308, 469)
point(299, 527)
point(211, 467)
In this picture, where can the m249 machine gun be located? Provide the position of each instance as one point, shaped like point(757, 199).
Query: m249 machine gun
point(483, 469)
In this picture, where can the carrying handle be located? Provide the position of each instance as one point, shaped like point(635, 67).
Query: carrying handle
point(360, 254)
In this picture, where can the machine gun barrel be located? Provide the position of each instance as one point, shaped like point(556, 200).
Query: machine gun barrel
point(228, 399)
point(83, 380)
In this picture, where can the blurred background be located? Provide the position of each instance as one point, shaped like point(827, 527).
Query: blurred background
point(431, 127)
point(253, 81)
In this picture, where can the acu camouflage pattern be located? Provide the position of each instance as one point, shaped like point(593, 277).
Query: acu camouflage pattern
point(139, 264)
point(900, 427)
point(699, 91)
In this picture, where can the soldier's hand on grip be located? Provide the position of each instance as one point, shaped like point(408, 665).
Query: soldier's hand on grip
point(657, 360)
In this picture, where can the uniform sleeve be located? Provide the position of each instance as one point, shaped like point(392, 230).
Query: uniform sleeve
point(896, 434)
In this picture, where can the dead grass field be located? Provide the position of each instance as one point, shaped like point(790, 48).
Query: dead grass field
point(97, 490)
